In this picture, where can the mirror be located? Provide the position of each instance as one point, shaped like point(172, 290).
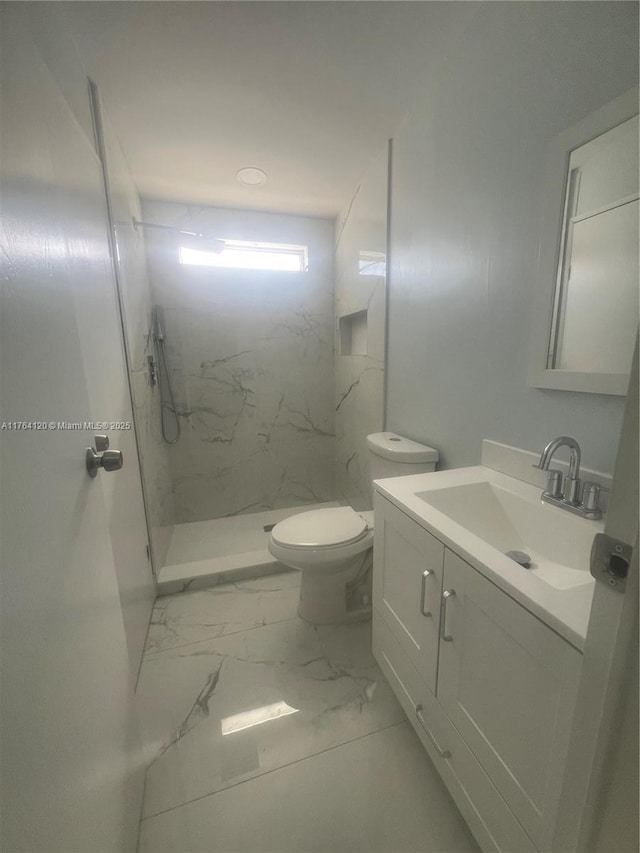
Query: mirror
point(586, 316)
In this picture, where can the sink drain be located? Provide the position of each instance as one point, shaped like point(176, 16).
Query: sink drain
point(520, 557)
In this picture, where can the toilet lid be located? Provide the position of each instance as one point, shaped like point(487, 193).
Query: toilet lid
point(320, 528)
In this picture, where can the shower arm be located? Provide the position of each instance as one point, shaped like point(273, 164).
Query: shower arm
point(138, 223)
point(216, 244)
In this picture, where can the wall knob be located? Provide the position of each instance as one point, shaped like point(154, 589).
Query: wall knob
point(110, 460)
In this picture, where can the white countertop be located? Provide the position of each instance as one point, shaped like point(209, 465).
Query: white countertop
point(566, 611)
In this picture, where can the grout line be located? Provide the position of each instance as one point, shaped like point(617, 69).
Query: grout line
point(275, 769)
point(275, 570)
point(213, 578)
point(151, 654)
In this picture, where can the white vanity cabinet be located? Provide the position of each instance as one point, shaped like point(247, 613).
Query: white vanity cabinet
point(493, 703)
point(508, 684)
point(407, 586)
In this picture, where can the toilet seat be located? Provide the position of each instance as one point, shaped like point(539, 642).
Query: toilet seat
point(332, 548)
point(320, 529)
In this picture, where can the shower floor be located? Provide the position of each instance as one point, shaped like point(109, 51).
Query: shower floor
point(206, 553)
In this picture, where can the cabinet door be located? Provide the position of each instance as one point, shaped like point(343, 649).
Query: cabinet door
point(508, 683)
point(407, 575)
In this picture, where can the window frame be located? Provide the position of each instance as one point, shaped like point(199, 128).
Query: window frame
point(250, 247)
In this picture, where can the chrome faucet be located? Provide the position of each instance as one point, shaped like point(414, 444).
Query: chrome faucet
point(569, 495)
point(571, 491)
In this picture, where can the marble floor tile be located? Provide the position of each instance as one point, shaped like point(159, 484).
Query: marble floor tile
point(224, 710)
point(377, 794)
point(191, 617)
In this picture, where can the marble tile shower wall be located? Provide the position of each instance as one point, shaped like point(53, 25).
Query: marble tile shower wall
point(251, 360)
point(136, 295)
point(359, 376)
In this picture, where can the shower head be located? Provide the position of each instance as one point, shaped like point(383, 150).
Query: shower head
point(188, 239)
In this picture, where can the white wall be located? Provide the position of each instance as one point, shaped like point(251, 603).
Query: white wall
point(468, 164)
point(251, 360)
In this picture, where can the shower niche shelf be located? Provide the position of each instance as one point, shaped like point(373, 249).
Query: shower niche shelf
point(352, 329)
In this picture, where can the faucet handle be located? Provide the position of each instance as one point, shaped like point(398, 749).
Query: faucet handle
point(572, 487)
point(591, 496)
point(554, 482)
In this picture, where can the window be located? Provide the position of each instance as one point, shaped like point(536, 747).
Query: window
point(237, 254)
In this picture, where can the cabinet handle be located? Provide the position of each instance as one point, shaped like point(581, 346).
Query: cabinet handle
point(423, 592)
point(446, 595)
point(443, 753)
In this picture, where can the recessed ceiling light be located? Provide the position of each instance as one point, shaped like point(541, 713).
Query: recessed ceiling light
point(251, 176)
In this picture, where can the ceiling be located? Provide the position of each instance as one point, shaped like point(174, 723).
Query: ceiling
point(307, 91)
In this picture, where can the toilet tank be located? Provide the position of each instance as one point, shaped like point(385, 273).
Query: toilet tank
point(392, 455)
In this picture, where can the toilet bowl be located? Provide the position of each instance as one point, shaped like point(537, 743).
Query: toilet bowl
point(333, 547)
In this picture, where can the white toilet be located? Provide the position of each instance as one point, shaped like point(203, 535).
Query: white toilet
point(333, 548)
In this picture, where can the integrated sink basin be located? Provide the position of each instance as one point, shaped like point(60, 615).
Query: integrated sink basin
point(558, 547)
point(481, 514)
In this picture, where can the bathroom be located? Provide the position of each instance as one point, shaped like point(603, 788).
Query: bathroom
point(160, 688)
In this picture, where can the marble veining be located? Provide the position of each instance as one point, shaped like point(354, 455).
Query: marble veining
point(344, 394)
point(178, 620)
point(234, 685)
point(199, 709)
point(265, 733)
point(251, 357)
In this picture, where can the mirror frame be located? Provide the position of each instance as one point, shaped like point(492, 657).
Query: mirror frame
point(554, 189)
